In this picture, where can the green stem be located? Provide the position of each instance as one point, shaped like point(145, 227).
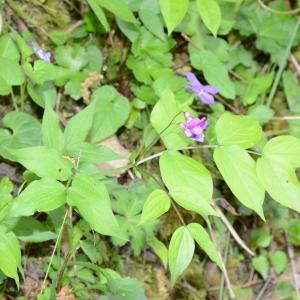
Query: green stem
point(54, 250)
point(172, 150)
point(14, 100)
point(283, 64)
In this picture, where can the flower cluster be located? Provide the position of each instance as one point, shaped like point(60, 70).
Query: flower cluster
point(194, 127)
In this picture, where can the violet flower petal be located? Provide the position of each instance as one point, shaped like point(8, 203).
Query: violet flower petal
point(191, 77)
point(206, 98)
point(210, 89)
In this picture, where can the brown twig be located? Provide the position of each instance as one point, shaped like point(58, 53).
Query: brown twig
point(291, 254)
point(264, 288)
point(226, 277)
point(232, 231)
point(295, 63)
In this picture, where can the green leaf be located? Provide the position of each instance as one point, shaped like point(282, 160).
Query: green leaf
point(44, 162)
point(152, 22)
point(10, 255)
point(42, 94)
point(30, 230)
point(72, 57)
point(6, 188)
point(160, 250)
point(118, 8)
point(262, 113)
point(11, 72)
point(79, 126)
point(58, 37)
point(243, 131)
point(91, 199)
point(5, 89)
point(188, 182)
point(111, 112)
point(51, 131)
point(41, 195)
point(181, 251)
point(173, 12)
point(214, 71)
point(26, 132)
point(286, 147)
point(99, 13)
point(165, 117)
point(280, 181)
point(261, 265)
point(279, 261)
point(91, 153)
point(292, 91)
point(40, 72)
point(90, 249)
point(260, 238)
point(238, 169)
point(210, 13)
point(95, 58)
point(8, 49)
point(156, 205)
point(259, 84)
point(202, 238)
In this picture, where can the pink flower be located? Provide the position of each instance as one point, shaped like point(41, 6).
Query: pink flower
point(194, 127)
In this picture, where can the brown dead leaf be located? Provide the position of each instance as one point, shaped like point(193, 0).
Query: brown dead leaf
point(114, 144)
point(65, 293)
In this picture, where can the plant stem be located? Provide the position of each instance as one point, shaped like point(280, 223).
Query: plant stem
point(283, 64)
point(227, 280)
point(14, 100)
point(54, 250)
point(172, 150)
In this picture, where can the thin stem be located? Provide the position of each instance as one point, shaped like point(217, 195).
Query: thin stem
point(141, 153)
point(178, 213)
point(22, 96)
point(14, 99)
point(227, 280)
point(163, 188)
point(54, 250)
point(221, 291)
point(232, 230)
point(283, 64)
point(278, 12)
point(172, 150)
point(140, 162)
point(286, 118)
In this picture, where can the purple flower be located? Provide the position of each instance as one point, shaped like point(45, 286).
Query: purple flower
point(205, 92)
point(39, 52)
point(194, 127)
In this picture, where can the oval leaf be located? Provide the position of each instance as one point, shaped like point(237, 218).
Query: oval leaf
point(91, 198)
point(241, 177)
point(286, 147)
point(280, 181)
point(237, 130)
point(203, 240)
point(44, 162)
point(10, 255)
point(51, 131)
point(261, 265)
point(210, 13)
point(41, 195)
point(188, 182)
point(214, 71)
point(173, 12)
point(156, 205)
point(181, 251)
